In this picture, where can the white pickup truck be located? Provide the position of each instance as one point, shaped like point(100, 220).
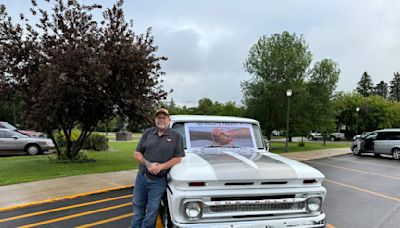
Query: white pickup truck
point(229, 179)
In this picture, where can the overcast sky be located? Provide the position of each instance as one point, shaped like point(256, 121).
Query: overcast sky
point(206, 42)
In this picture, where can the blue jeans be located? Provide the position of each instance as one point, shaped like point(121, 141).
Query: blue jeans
point(147, 195)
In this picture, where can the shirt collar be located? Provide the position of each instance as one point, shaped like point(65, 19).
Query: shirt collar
point(166, 132)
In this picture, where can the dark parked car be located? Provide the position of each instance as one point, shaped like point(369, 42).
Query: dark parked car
point(386, 141)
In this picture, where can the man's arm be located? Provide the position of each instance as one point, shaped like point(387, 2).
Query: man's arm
point(170, 163)
point(151, 167)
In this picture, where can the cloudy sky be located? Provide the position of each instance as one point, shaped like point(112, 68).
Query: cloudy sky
point(207, 41)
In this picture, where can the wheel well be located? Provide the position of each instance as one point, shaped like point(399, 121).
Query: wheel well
point(32, 144)
point(394, 148)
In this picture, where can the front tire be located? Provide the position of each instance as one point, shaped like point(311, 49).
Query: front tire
point(33, 149)
point(396, 153)
point(333, 138)
point(356, 151)
point(165, 217)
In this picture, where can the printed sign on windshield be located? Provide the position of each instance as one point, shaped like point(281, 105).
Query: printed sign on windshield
point(220, 135)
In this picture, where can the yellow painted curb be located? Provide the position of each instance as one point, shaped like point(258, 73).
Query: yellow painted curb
point(65, 198)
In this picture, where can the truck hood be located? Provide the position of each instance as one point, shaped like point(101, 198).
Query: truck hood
point(231, 165)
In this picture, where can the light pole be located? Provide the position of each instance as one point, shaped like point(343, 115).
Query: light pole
point(357, 110)
point(288, 94)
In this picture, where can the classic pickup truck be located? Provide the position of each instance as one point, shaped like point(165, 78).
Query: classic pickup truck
point(228, 178)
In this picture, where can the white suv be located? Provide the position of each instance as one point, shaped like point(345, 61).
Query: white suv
point(229, 179)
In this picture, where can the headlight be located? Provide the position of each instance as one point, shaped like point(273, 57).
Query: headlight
point(314, 204)
point(193, 210)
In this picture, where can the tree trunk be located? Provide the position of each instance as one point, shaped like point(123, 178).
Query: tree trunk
point(50, 133)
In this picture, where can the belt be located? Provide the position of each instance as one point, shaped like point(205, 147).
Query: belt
point(151, 176)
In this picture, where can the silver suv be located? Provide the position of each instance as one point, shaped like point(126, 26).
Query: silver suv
point(386, 141)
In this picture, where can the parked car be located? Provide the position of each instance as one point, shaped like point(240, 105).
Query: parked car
point(35, 134)
point(329, 136)
point(13, 142)
point(386, 141)
point(228, 178)
point(359, 136)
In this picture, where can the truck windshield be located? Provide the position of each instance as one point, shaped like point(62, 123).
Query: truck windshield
point(200, 135)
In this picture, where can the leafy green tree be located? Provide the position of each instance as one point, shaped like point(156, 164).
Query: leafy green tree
point(365, 85)
point(73, 71)
point(277, 63)
point(395, 87)
point(381, 89)
point(322, 83)
point(375, 112)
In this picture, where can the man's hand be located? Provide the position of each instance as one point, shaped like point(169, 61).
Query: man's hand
point(153, 168)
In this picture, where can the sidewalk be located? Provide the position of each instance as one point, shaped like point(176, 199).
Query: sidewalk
point(75, 186)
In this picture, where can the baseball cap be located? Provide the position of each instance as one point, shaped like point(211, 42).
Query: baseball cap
point(162, 110)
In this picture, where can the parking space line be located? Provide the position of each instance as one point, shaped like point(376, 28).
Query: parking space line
point(64, 208)
point(75, 215)
point(105, 221)
point(364, 190)
point(65, 198)
point(368, 163)
point(354, 170)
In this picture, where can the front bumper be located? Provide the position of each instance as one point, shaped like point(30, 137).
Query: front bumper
point(317, 221)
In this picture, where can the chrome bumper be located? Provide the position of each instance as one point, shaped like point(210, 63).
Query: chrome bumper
point(317, 221)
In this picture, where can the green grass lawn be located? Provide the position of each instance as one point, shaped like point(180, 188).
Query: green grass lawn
point(30, 168)
point(278, 147)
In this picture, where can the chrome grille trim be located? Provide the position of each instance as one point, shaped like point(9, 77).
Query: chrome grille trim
point(253, 207)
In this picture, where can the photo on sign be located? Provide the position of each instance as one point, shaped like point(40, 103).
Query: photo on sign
point(221, 135)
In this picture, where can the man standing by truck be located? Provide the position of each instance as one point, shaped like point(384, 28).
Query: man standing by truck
point(159, 149)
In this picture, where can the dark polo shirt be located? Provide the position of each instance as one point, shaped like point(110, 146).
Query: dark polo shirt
point(160, 149)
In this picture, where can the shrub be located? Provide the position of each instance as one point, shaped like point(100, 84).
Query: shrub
point(96, 142)
point(61, 140)
point(301, 144)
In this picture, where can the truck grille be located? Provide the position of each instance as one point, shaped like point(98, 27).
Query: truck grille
point(257, 207)
point(265, 207)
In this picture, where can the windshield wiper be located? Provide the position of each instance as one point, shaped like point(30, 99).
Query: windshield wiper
point(212, 146)
point(231, 146)
point(219, 146)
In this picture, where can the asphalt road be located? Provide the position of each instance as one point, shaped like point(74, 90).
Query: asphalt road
point(111, 209)
point(362, 192)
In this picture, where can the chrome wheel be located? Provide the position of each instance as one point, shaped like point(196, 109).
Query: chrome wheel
point(356, 150)
point(32, 150)
point(396, 154)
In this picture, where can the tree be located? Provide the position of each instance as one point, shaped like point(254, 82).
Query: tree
point(395, 87)
point(365, 85)
point(321, 86)
point(381, 89)
point(74, 72)
point(375, 112)
point(277, 63)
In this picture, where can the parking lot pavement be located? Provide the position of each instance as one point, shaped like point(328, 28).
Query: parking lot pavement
point(111, 209)
point(361, 191)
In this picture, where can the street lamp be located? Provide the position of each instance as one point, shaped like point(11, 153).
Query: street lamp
point(357, 110)
point(288, 94)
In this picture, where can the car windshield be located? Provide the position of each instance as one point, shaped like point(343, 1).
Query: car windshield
point(214, 135)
